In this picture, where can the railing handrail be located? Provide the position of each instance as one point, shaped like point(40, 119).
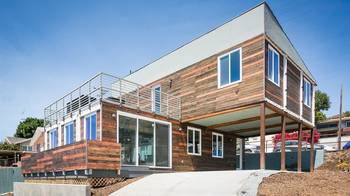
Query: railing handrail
point(71, 101)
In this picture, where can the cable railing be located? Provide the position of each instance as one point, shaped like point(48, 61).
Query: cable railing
point(106, 87)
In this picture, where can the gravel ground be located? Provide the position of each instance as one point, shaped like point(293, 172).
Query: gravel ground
point(321, 182)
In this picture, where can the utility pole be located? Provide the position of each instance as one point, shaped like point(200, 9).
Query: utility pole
point(340, 117)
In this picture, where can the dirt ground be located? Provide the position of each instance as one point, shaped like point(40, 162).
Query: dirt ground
point(112, 188)
point(326, 180)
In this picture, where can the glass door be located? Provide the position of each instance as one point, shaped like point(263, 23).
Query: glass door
point(162, 145)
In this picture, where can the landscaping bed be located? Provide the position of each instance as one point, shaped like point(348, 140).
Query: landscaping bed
point(331, 178)
point(321, 182)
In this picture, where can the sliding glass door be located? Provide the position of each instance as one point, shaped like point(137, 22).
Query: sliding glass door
point(145, 142)
point(127, 138)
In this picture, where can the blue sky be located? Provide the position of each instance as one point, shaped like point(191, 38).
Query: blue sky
point(49, 47)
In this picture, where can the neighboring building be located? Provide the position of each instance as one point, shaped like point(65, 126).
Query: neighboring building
point(185, 110)
point(329, 132)
point(24, 143)
point(37, 141)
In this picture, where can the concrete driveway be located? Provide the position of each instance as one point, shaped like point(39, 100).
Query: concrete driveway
point(221, 183)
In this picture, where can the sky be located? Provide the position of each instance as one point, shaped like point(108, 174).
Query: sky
point(47, 48)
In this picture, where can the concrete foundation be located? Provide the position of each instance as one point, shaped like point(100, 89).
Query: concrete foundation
point(37, 189)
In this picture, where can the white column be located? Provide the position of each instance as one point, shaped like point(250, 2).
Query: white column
point(313, 104)
point(301, 93)
point(59, 134)
point(77, 129)
point(284, 81)
point(45, 140)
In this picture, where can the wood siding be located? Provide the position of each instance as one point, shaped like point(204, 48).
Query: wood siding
point(293, 88)
point(77, 156)
point(272, 91)
point(197, 85)
point(181, 160)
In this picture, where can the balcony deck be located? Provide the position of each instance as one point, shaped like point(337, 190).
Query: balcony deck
point(105, 87)
point(80, 156)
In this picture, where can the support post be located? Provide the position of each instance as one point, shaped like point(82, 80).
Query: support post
point(283, 143)
point(262, 136)
point(340, 118)
point(300, 130)
point(312, 151)
point(242, 154)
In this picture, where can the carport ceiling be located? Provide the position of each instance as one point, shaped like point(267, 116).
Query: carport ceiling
point(246, 122)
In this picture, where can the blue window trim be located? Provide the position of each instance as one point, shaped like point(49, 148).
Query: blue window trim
point(69, 132)
point(270, 48)
point(53, 133)
point(88, 130)
point(219, 69)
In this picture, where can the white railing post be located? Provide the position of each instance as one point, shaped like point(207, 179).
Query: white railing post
point(89, 101)
point(79, 99)
point(120, 92)
point(167, 105)
point(101, 86)
point(138, 97)
point(71, 104)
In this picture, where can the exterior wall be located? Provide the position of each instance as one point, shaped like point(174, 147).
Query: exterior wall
point(272, 91)
point(293, 88)
point(307, 113)
point(39, 143)
point(185, 162)
point(181, 161)
point(197, 85)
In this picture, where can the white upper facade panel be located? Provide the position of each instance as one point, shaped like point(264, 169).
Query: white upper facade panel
point(256, 21)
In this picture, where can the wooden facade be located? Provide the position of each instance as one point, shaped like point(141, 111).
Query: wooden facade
point(197, 85)
point(82, 155)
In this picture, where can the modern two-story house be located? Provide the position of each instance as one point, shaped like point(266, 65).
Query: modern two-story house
point(185, 110)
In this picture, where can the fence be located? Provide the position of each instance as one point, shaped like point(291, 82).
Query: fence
point(8, 175)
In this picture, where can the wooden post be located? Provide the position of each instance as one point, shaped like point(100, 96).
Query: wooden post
point(312, 151)
point(242, 153)
point(299, 145)
point(340, 117)
point(262, 136)
point(283, 143)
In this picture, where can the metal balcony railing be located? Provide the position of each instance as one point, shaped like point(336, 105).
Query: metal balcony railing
point(116, 90)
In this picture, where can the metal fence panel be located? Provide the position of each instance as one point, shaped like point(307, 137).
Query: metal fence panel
point(8, 175)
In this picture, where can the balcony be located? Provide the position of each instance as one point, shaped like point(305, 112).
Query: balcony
point(80, 156)
point(105, 87)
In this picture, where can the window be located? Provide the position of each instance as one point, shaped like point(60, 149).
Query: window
point(273, 66)
point(26, 148)
point(156, 97)
point(90, 127)
point(217, 145)
point(194, 141)
point(230, 68)
point(307, 92)
point(53, 138)
point(144, 141)
point(347, 123)
point(69, 133)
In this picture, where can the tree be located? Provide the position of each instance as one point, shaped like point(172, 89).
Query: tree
point(26, 128)
point(7, 146)
point(322, 103)
point(347, 114)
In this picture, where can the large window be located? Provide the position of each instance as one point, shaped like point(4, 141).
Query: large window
point(69, 133)
point(273, 66)
point(347, 123)
point(194, 141)
point(91, 127)
point(144, 141)
point(307, 92)
point(157, 97)
point(53, 137)
point(217, 145)
point(230, 68)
